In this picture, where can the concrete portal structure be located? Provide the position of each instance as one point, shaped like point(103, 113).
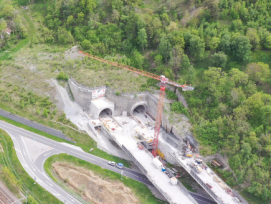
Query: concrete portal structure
point(139, 107)
point(101, 106)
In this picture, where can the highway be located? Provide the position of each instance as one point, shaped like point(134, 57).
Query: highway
point(36, 170)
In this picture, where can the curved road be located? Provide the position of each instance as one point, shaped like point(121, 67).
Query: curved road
point(36, 169)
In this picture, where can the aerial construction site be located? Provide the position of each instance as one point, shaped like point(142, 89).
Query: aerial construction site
point(132, 125)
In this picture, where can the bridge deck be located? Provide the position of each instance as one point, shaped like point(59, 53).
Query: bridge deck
point(122, 130)
point(206, 176)
point(124, 137)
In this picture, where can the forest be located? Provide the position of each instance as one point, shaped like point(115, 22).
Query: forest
point(220, 47)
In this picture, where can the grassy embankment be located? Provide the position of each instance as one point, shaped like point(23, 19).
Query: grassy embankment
point(9, 86)
point(23, 181)
point(143, 193)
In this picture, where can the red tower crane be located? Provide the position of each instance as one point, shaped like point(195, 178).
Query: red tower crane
point(163, 81)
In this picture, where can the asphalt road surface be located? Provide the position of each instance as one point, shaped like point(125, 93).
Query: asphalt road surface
point(36, 169)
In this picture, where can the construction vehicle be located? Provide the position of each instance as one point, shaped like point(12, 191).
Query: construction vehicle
point(157, 163)
point(140, 146)
point(164, 81)
point(161, 154)
point(195, 166)
point(188, 151)
point(199, 161)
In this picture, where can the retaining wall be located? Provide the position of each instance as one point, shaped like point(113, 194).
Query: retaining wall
point(82, 94)
point(127, 102)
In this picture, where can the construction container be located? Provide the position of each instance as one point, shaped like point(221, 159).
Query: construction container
point(163, 169)
point(157, 163)
point(173, 181)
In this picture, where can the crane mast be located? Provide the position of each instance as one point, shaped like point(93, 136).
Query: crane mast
point(163, 81)
point(159, 113)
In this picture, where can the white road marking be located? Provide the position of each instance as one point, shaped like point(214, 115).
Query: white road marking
point(18, 150)
point(46, 154)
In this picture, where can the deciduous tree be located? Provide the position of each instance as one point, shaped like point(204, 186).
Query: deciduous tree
point(185, 63)
point(142, 38)
point(219, 59)
point(197, 48)
point(164, 47)
point(241, 47)
point(258, 72)
point(253, 37)
point(176, 59)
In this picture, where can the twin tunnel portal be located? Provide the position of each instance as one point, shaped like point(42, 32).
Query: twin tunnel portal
point(140, 109)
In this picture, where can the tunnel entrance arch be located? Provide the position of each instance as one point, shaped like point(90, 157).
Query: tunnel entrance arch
point(105, 113)
point(139, 108)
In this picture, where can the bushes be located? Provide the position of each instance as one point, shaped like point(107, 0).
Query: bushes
point(62, 76)
point(178, 107)
point(10, 180)
point(64, 37)
point(171, 95)
point(86, 44)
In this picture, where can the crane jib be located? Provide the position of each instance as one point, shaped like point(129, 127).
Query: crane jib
point(139, 71)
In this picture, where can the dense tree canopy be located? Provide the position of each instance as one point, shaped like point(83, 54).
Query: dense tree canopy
point(231, 116)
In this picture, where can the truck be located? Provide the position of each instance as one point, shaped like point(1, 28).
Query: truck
point(157, 163)
point(173, 181)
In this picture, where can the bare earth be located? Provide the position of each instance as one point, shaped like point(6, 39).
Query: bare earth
point(94, 188)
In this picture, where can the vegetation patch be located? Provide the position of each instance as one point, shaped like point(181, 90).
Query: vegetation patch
point(16, 178)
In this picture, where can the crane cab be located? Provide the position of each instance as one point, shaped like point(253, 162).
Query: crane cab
point(163, 79)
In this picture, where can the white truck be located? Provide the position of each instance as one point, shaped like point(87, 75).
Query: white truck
point(157, 163)
point(173, 181)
